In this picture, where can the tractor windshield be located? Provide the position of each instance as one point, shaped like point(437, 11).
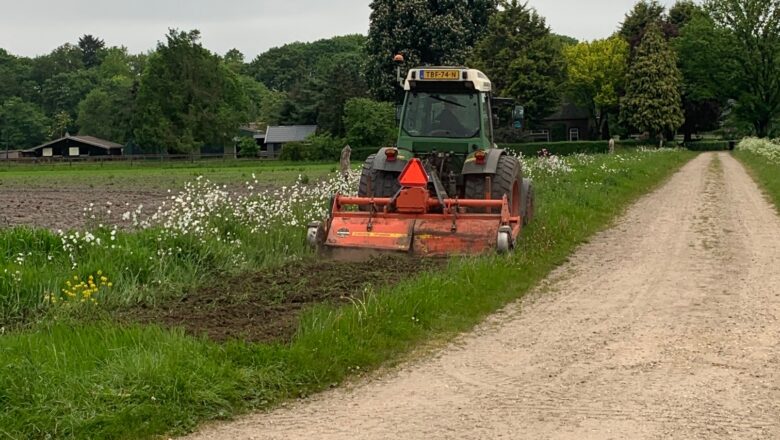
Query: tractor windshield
point(448, 115)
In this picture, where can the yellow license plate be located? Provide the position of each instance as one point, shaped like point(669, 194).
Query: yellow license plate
point(446, 75)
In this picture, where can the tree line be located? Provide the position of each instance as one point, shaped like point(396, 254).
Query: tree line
point(688, 69)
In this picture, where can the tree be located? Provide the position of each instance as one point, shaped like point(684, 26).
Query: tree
point(682, 13)
point(107, 110)
point(64, 59)
point(61, 124)
point(265, 105)
point(644, 14)
point(596, 74)
point(282, 68)
point(438, 32)
point(92, 50)
point(652, 102)
point(64, 91)
point(188, 98)
point(708, 71)
point(369, 124)
point(755, 27)
point(14, 76)
point(522, 59)
point(327, 97)
point(116, 63)
point(22, 124)
point(234, 60)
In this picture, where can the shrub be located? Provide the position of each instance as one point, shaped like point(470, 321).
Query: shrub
point(247, 147)
point(369, 124)
point(710, 145)
point(323, 147)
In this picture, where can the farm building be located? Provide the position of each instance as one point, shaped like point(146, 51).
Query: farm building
point(277, 136)
point(569, 123)
point(10, 154)
point(75, 146)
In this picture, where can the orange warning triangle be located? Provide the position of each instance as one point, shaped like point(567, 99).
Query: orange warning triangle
point(414, 174)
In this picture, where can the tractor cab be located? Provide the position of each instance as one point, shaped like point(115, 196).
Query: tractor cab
point(448, 107)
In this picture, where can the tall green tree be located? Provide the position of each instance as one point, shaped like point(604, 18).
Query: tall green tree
point(596, 75)
point(522, 59)
point(682, 12)
point(188, 98)
point(652, 102)
point(708, 71)
point(755, 27)
point(643, 14)
point(107, 110)
point(439, 32)
point(92, 50)
point(22, 124)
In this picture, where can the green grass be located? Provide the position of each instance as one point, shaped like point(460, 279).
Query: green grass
point(73, 380)
point(152, 175)
point(765, 172)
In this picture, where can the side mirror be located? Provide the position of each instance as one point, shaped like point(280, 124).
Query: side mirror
point(518, 114)
point(398, 110)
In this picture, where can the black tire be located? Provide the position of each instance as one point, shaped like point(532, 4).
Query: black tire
point(377, 183)
point(507, 180)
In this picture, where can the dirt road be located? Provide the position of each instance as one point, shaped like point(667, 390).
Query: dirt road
point(665, 326)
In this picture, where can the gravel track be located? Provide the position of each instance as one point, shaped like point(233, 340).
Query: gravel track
point(665, 326)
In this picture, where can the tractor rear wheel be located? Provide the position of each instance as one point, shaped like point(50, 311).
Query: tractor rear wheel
point(377, 183)
point(506, 181)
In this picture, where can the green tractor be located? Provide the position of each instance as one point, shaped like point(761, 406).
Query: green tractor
point(444, 188)
point(447, 121)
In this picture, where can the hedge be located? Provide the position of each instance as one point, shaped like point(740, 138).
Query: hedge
point(710, 145)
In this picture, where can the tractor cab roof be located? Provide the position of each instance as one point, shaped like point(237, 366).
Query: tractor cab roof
point(455, 77)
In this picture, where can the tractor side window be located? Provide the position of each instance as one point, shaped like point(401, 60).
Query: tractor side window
point(486, 122)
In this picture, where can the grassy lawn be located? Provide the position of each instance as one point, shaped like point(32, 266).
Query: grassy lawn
point(67, 378)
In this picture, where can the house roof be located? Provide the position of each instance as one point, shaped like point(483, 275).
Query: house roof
point(89, 140)
point(288, 133)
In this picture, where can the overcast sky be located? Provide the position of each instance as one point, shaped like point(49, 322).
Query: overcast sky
point(34, 27)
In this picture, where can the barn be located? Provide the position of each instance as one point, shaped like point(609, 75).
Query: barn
point(75, 146)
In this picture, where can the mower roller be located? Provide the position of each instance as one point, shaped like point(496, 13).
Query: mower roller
point(444, 188)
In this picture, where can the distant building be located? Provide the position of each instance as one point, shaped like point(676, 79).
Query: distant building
point(75, 146)
point(569, 123)
point(277, 136)
point(10, 154)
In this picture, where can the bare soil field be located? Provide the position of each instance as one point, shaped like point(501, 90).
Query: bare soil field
point(63, 208)
point(55, 199)
point(265, 306)
point(667, 325)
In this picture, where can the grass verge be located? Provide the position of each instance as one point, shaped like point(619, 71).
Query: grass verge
point(72, 380)
point(765, 172)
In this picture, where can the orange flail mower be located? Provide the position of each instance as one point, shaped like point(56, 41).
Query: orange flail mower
point(415, 221)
